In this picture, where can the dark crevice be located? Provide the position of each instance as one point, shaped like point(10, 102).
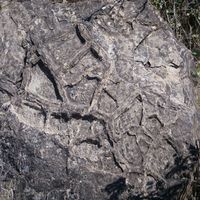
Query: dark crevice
point(44, 113)
point(95, 54)
point(40, 109)
point(90, 118)
point(107, 133)
point(5, 91)
point(98, 80)
point(130, 24)
point(91, 100)
point(160, 105)
point(91, 141)
point(78, 33)
point(71, 85)
point(141, 42)
point(61, 116)
point(75, 115)
point(117, 163)
point(50, 76)
point(156, 117)
point(32, 106)
point(142, 8)
point(20, 80)
point(14, 20)
point(7, 86)
point(73, 1)
point(115, 100)
point(141, 118)
point(88, 19)
point(173, 145)
point(148, 64)
point(139, 98)
point(174, 65)
point(108, 137)
point(90, 78)
point(25, 57)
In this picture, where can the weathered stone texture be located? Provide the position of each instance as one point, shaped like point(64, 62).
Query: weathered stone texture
point(95, 100)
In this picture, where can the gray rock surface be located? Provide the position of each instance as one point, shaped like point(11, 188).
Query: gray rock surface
point(95, 101)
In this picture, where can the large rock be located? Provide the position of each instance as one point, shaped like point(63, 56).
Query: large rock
point(96, 102)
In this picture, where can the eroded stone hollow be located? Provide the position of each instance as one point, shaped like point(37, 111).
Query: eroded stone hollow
point(95, 101)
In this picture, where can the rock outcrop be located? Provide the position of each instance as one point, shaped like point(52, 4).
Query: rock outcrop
point(95, 102)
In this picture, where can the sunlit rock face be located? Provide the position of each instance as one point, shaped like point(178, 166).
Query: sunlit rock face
point(95, 101)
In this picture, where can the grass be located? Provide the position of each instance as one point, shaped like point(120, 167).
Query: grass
point(183, 16)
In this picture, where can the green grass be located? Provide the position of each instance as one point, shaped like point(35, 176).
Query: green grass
point(183, 16)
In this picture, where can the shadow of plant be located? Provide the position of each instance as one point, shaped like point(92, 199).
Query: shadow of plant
point(182, 181)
